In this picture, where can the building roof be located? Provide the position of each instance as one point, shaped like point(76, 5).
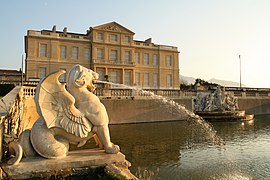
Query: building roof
point(61, 32)
point(10, 72)
point(113, 26)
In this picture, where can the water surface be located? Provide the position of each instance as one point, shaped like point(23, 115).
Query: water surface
point(182, 150)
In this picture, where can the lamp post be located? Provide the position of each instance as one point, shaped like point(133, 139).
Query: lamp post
point(240, 72)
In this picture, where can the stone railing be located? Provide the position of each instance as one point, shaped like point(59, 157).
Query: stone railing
point(188, 93)
point(250, 94)
point(168, 47)
point(121, 92)
point(31, 83)
point(169, 93)
point(16, 83)
point(155, 46)
point(30, 91)
point(99, 92)
point(57, 35)
point(145, 92)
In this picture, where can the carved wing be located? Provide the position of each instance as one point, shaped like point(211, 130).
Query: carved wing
point(57, 106)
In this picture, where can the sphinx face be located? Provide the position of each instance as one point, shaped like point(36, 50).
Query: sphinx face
point(90, 78)
point(81, 77)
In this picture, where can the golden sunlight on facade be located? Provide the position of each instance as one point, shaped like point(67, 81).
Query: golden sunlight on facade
point(108, 49)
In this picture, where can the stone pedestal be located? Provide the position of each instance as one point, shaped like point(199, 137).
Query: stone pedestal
point(76, 163)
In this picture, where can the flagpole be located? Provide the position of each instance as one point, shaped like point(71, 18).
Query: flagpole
point(22, 73)
point(240, 72)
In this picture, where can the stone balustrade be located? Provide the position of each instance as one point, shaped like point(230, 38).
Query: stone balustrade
point(121, 92)
point(113, 62)
point(30, 91)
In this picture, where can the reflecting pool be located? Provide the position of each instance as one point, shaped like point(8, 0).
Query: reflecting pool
point(180, 150)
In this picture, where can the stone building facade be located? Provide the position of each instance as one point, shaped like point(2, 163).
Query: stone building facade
point(108, 49)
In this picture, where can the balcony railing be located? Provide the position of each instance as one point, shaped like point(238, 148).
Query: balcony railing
point(57, 35)
point(102, 61)
point(155, 46)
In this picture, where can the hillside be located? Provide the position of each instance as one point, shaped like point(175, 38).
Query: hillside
point(191, 80)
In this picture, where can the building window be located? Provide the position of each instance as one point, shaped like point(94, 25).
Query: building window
point(101, 73)
point(113, 55)
point(115, 76)
point(137, 58)
point(146, 80)
point(127, 78)
point(100, 36)
point(138, 78)
point(127, 40)
point(155, 80)
point(146, 58)
point(43, 50)
point(127, 57)
point(42, 72)
point(75, 53)
point(100, 53)
point(63, 52)
point(169, 60)
point(87, 53)
point(169, 80)
point(155, 59)
point(114, 38)
point(62, 78)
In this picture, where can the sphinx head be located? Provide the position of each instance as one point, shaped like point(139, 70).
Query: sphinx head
point(81, 77)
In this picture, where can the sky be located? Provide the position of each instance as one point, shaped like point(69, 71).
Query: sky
point(210, 34)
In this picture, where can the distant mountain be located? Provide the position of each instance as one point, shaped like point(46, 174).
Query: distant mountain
point(187, 80)
point(191, 80)
point(225, 83)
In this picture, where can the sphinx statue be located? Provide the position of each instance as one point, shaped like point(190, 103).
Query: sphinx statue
point(66, 116)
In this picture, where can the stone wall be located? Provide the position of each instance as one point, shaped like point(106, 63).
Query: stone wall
point(254, 105)
point(142, 110)
point(123, 111)
point(139, 110)
point(149, 110)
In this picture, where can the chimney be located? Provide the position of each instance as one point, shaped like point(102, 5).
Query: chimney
point(65, 31)
point(54, 29)
point(88, 31)
point(149, 40)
